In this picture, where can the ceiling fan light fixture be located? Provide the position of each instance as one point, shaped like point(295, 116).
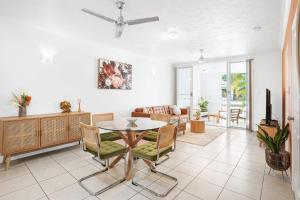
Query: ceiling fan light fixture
point(257, 28)
point(173, 34)
point(201, 58)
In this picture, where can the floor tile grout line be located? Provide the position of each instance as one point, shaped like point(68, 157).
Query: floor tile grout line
point(197, 176)
point(171, 169)
point(137, 194)
point(219, 161)
point(36, 180)
point(69, 174)
point(232, 173)
point(17, 190)
point(262, 184)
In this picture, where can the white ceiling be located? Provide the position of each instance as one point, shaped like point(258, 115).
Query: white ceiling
point(221, 27)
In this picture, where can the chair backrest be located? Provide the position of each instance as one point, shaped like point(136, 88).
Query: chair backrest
point(160, 117)
point(102, 117)
point(90, 137)
point(234, 113)
point(166, 136)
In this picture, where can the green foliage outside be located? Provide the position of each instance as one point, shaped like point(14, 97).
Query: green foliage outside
point(238, 86)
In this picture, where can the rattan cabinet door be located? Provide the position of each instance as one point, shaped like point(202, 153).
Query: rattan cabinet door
point(54, 130)
point(20, 136)
point(74, 125)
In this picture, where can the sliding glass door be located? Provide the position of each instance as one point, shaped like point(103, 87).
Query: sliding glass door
point(184, 91)
point(237, 99)
point(209, 89)
point(218, 90)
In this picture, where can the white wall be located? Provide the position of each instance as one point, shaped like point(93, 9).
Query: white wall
point(73, 73)
point(266, 74)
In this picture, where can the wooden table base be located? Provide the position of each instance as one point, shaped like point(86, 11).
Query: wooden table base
point(131, 140)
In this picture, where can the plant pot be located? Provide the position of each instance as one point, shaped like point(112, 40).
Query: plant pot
point(22, 111)
point(280, 162)
point(203, 109)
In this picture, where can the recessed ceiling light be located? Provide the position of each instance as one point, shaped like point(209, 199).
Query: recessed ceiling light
point(173, 34)
point(257, 28)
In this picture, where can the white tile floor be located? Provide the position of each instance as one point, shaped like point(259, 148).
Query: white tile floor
point(232, 167)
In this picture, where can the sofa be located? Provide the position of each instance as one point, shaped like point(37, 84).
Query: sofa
point(183, 117)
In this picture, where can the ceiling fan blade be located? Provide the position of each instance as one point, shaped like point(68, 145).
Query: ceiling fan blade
point(98, 15)
point(142, 20)
point(119, 30)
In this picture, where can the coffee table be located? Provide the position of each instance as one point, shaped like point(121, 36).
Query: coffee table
point(197, 126)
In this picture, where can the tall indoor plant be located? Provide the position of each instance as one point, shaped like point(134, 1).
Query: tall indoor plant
point(276, 157)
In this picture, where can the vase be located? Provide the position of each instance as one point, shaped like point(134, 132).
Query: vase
point(280, 161)
point(22, 111)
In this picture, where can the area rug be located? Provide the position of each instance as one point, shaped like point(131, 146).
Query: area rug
point(201, 139)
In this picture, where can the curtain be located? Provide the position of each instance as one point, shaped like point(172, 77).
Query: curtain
point(249, 95)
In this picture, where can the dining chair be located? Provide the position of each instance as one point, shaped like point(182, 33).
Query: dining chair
point(152, 135)
point(104, 150)
point(152, 151)
point(107, 136)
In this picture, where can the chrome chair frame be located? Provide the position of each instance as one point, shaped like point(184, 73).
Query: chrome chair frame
point(152, 169)
point(105, 117)
point(174, 146)
point(80, 181)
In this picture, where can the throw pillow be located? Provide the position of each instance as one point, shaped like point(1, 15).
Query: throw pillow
point(176, 110)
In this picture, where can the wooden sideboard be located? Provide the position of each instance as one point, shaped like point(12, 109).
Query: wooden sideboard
point(24, 134)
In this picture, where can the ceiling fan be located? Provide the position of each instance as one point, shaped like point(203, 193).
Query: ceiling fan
point(120, 22)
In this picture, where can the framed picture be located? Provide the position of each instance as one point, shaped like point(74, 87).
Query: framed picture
point(114, 75)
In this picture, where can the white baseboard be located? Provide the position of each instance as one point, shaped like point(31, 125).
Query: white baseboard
point(296, 191)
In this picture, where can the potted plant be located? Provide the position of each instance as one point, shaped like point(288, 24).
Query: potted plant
point(197, 115)
point(203, 104)
point(21, 101)
point(276, 157)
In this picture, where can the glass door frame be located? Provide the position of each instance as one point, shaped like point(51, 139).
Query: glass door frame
point(191, 88)
point(228, 92)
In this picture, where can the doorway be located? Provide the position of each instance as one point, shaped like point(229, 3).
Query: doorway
point(218, 90)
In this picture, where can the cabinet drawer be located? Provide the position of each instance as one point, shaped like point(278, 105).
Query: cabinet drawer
point(74, 125)
point(20, 136)
point(54, 130)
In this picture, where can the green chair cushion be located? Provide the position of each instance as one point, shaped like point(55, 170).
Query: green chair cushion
point(151, 136)
point(108, 149)
point(110, 136)
point(148, 151)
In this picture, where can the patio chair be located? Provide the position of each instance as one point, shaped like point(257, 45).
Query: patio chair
point(104, 150)
point(234, 115)
point(152, 151)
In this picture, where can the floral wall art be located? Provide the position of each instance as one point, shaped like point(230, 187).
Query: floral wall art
point(114, 75)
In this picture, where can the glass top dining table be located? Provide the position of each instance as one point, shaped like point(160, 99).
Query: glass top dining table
point(128, 132)
point(123, 124)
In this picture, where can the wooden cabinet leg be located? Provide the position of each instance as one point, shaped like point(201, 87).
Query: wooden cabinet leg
point(4, 157)
point(7, 162)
